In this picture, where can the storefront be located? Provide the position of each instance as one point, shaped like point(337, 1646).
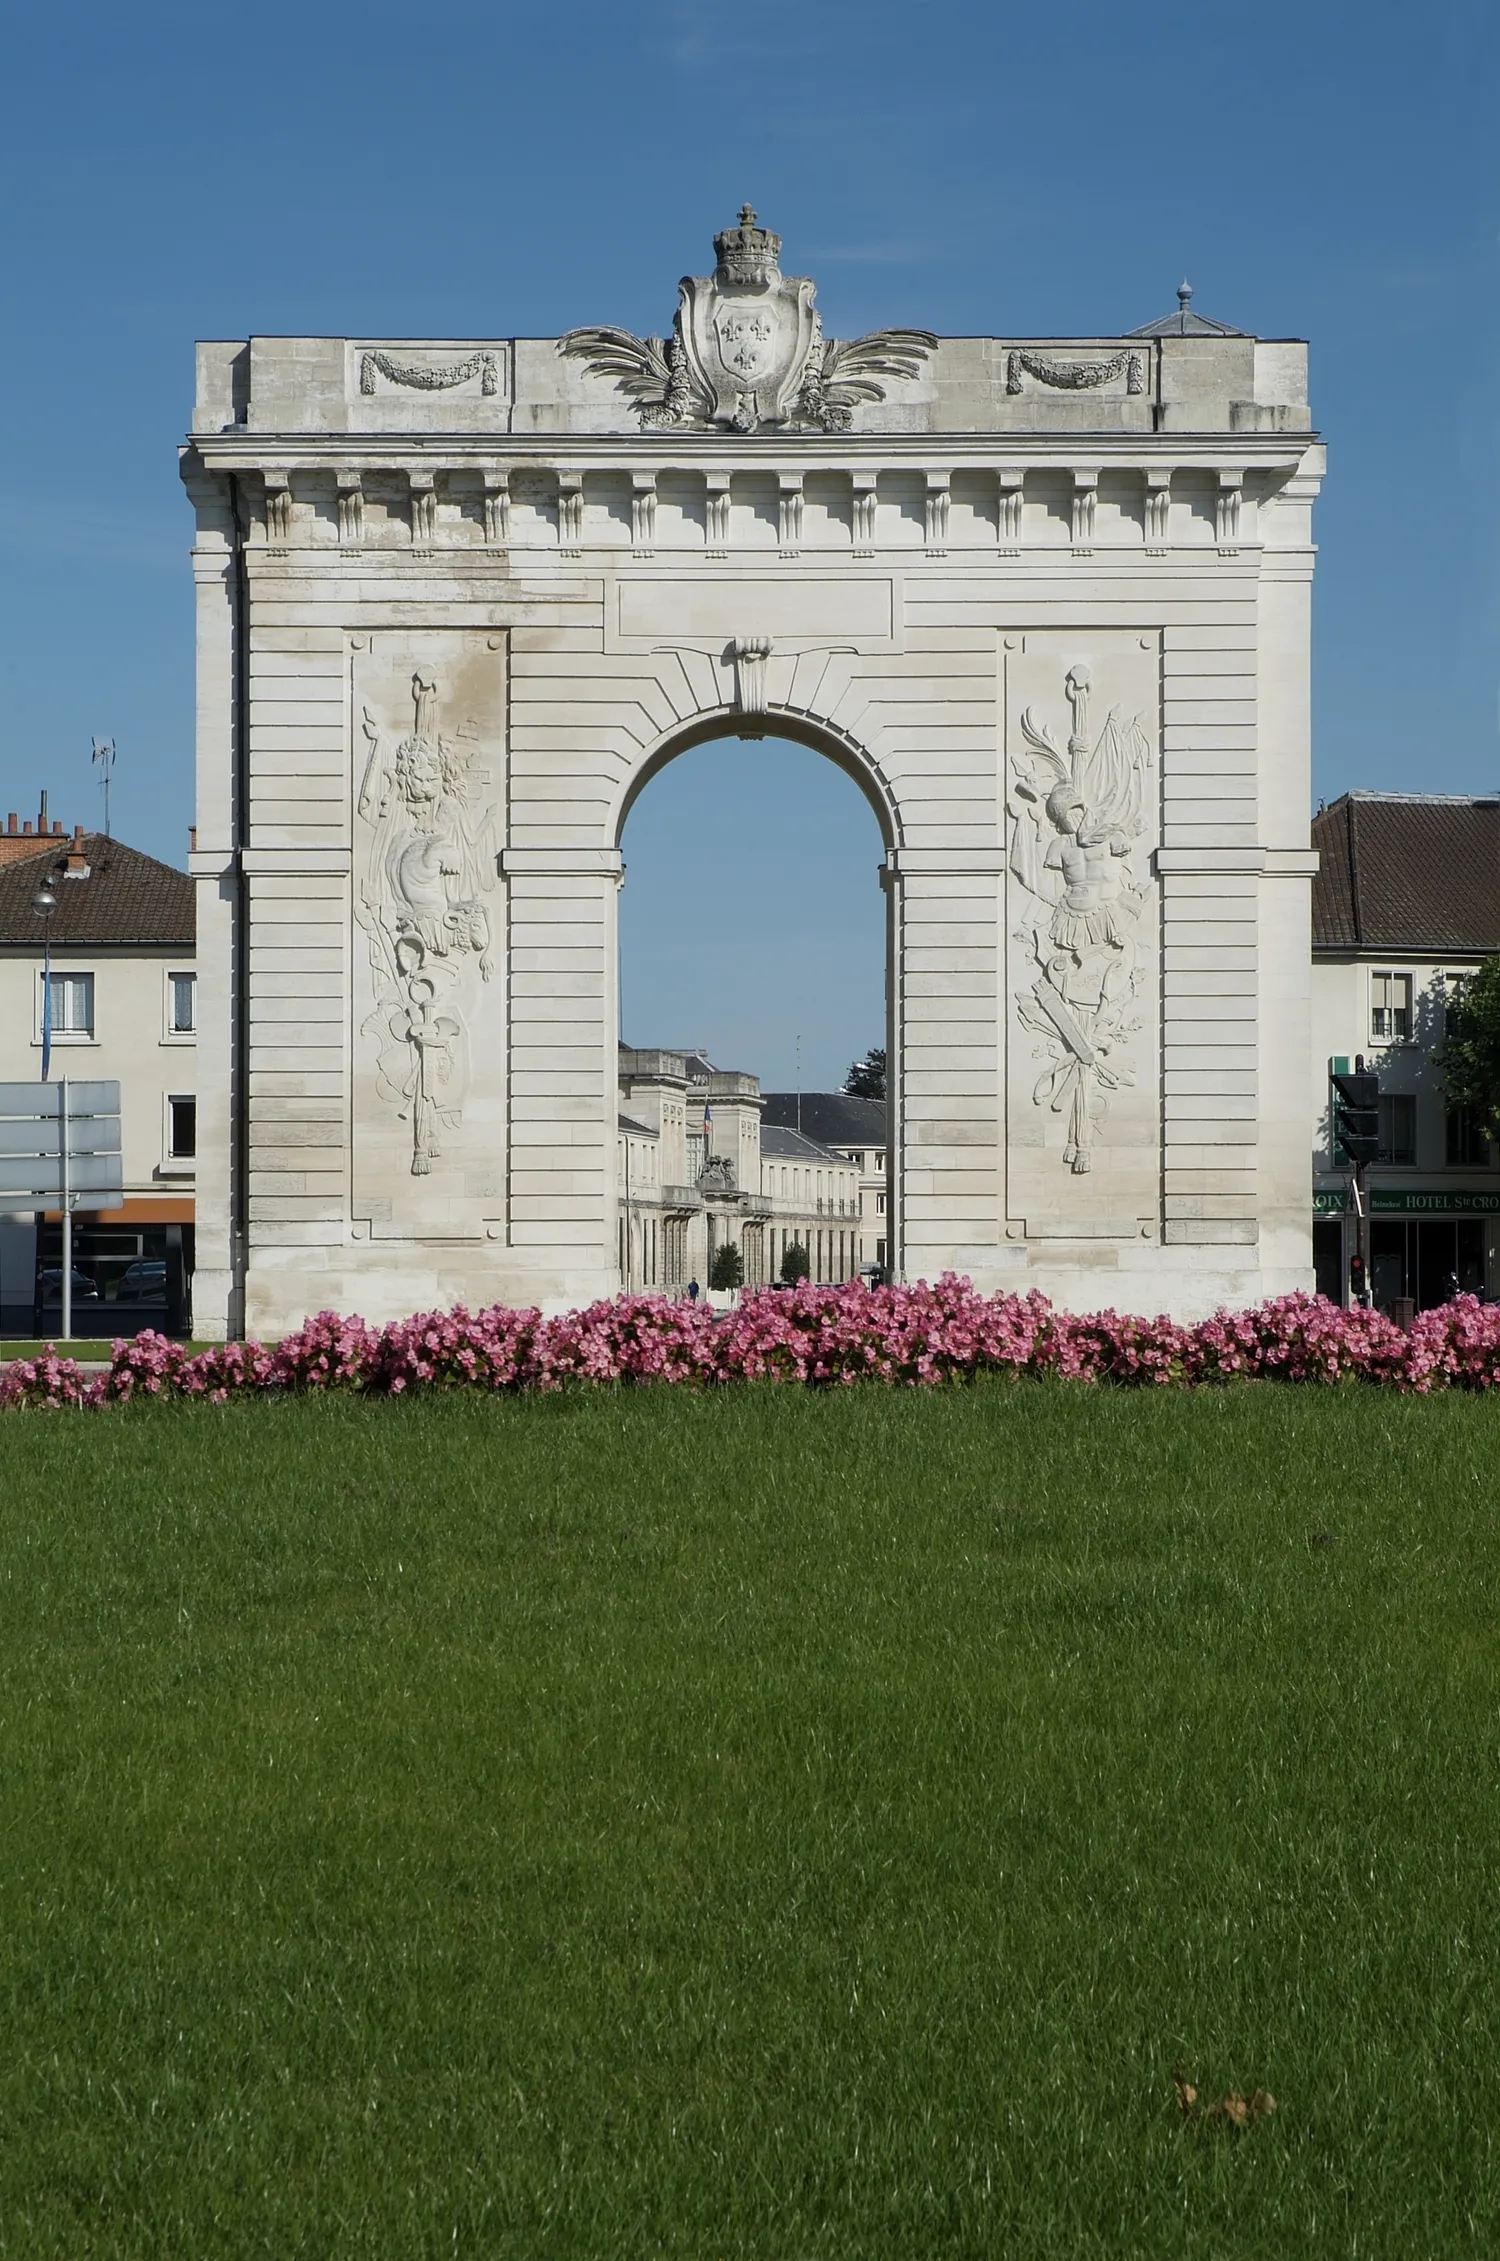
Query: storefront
point(1425, 1243)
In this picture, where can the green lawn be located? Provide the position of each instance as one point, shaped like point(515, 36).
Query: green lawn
point(757, 1823)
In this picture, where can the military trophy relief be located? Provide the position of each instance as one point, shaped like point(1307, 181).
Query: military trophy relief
point(1082, 810)
point(427, 837)
point(747, 351)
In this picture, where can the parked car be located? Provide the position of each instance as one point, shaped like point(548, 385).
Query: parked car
point(144, 1280)
point(85, 1290)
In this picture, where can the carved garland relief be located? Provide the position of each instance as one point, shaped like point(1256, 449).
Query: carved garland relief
point(429, 376)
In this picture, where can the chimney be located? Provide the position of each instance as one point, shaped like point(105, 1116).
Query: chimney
point(26, 828)
point(10, 822)
point(57, 827)
point(77, 865)
point(41, 822)
point(192, 839)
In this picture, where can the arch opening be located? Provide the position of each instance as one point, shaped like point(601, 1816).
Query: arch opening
point(753, 969)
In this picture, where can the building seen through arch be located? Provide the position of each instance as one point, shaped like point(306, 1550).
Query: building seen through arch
point(700, 1171)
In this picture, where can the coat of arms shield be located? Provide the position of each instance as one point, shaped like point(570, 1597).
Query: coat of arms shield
point(748, 329)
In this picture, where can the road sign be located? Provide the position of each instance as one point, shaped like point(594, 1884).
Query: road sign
point(29, 1180)
point(45, 1099)
point(60, 1141)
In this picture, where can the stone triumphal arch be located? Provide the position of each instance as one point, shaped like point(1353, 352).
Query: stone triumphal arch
point(1046, 600)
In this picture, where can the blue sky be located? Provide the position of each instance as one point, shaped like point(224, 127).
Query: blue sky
point(170, 172)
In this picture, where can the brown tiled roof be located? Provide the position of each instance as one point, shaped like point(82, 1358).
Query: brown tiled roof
point(1407, 872)
point(127, 897)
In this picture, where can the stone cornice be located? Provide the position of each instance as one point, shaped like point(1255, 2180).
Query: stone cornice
point(237, 450)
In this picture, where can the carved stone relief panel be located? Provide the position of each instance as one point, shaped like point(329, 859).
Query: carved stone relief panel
point(1082, 756)
point(428, 772)
point(425, 387)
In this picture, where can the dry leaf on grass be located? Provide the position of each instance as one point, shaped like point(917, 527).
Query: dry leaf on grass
point(1234, 2110)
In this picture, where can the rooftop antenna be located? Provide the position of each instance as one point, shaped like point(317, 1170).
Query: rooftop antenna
point(104, 759)
point(799, 1083)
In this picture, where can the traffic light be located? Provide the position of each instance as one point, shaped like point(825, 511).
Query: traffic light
point(1355, 1106)
point(1357, 1278)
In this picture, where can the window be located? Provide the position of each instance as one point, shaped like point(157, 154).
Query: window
point(1398, 1128)
point(1468, 1144)
point(880, 1204)
point(182, 1003)
point(1390, 1008)
point(182, 1128)
point(72, 1004)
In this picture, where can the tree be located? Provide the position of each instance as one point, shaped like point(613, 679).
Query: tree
point(794, 1264)
point(1470, 1057)
point(727, 1270)
point(866, 1079)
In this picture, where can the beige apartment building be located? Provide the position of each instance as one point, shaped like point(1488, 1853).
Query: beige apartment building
point(124, 1007)
point(1406, 907)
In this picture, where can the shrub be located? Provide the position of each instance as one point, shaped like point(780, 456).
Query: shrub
point(914, 1337)
point(727, 1270)
point(794, 1264)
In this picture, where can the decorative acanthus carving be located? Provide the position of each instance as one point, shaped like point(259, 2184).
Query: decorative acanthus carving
point(1073, 376)
point(750, 654)
point(570, 510)
point(789, 511)
point(1085, 503)
point(428, 376)
point(351, 506)
point(1158, 511)
point(1075, 820)
point(423, 507)
point(1012, 497)
point(643, 511)
point(497, 506)
point(1227, 511)
point(938, 503)
point(717, 529)
point(278, 507)
point(747, 349)
point(432, 862)
point(865, 498)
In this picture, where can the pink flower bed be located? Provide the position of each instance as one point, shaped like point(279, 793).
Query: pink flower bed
point(911, 1337)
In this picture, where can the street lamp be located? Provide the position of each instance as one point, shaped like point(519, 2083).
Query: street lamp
point(44, 903)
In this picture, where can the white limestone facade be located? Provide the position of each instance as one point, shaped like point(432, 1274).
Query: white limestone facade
point(1045, 601)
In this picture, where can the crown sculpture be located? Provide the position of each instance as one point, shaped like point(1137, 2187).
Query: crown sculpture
point(747, 349)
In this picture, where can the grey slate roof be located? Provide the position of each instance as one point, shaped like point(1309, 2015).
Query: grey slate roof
point(831, 1116)
point(1407, 871)
point(778, 1145)
point(127, 897)
point(1185, 323)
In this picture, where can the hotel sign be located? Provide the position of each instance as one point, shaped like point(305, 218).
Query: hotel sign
point(1410, 1201)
